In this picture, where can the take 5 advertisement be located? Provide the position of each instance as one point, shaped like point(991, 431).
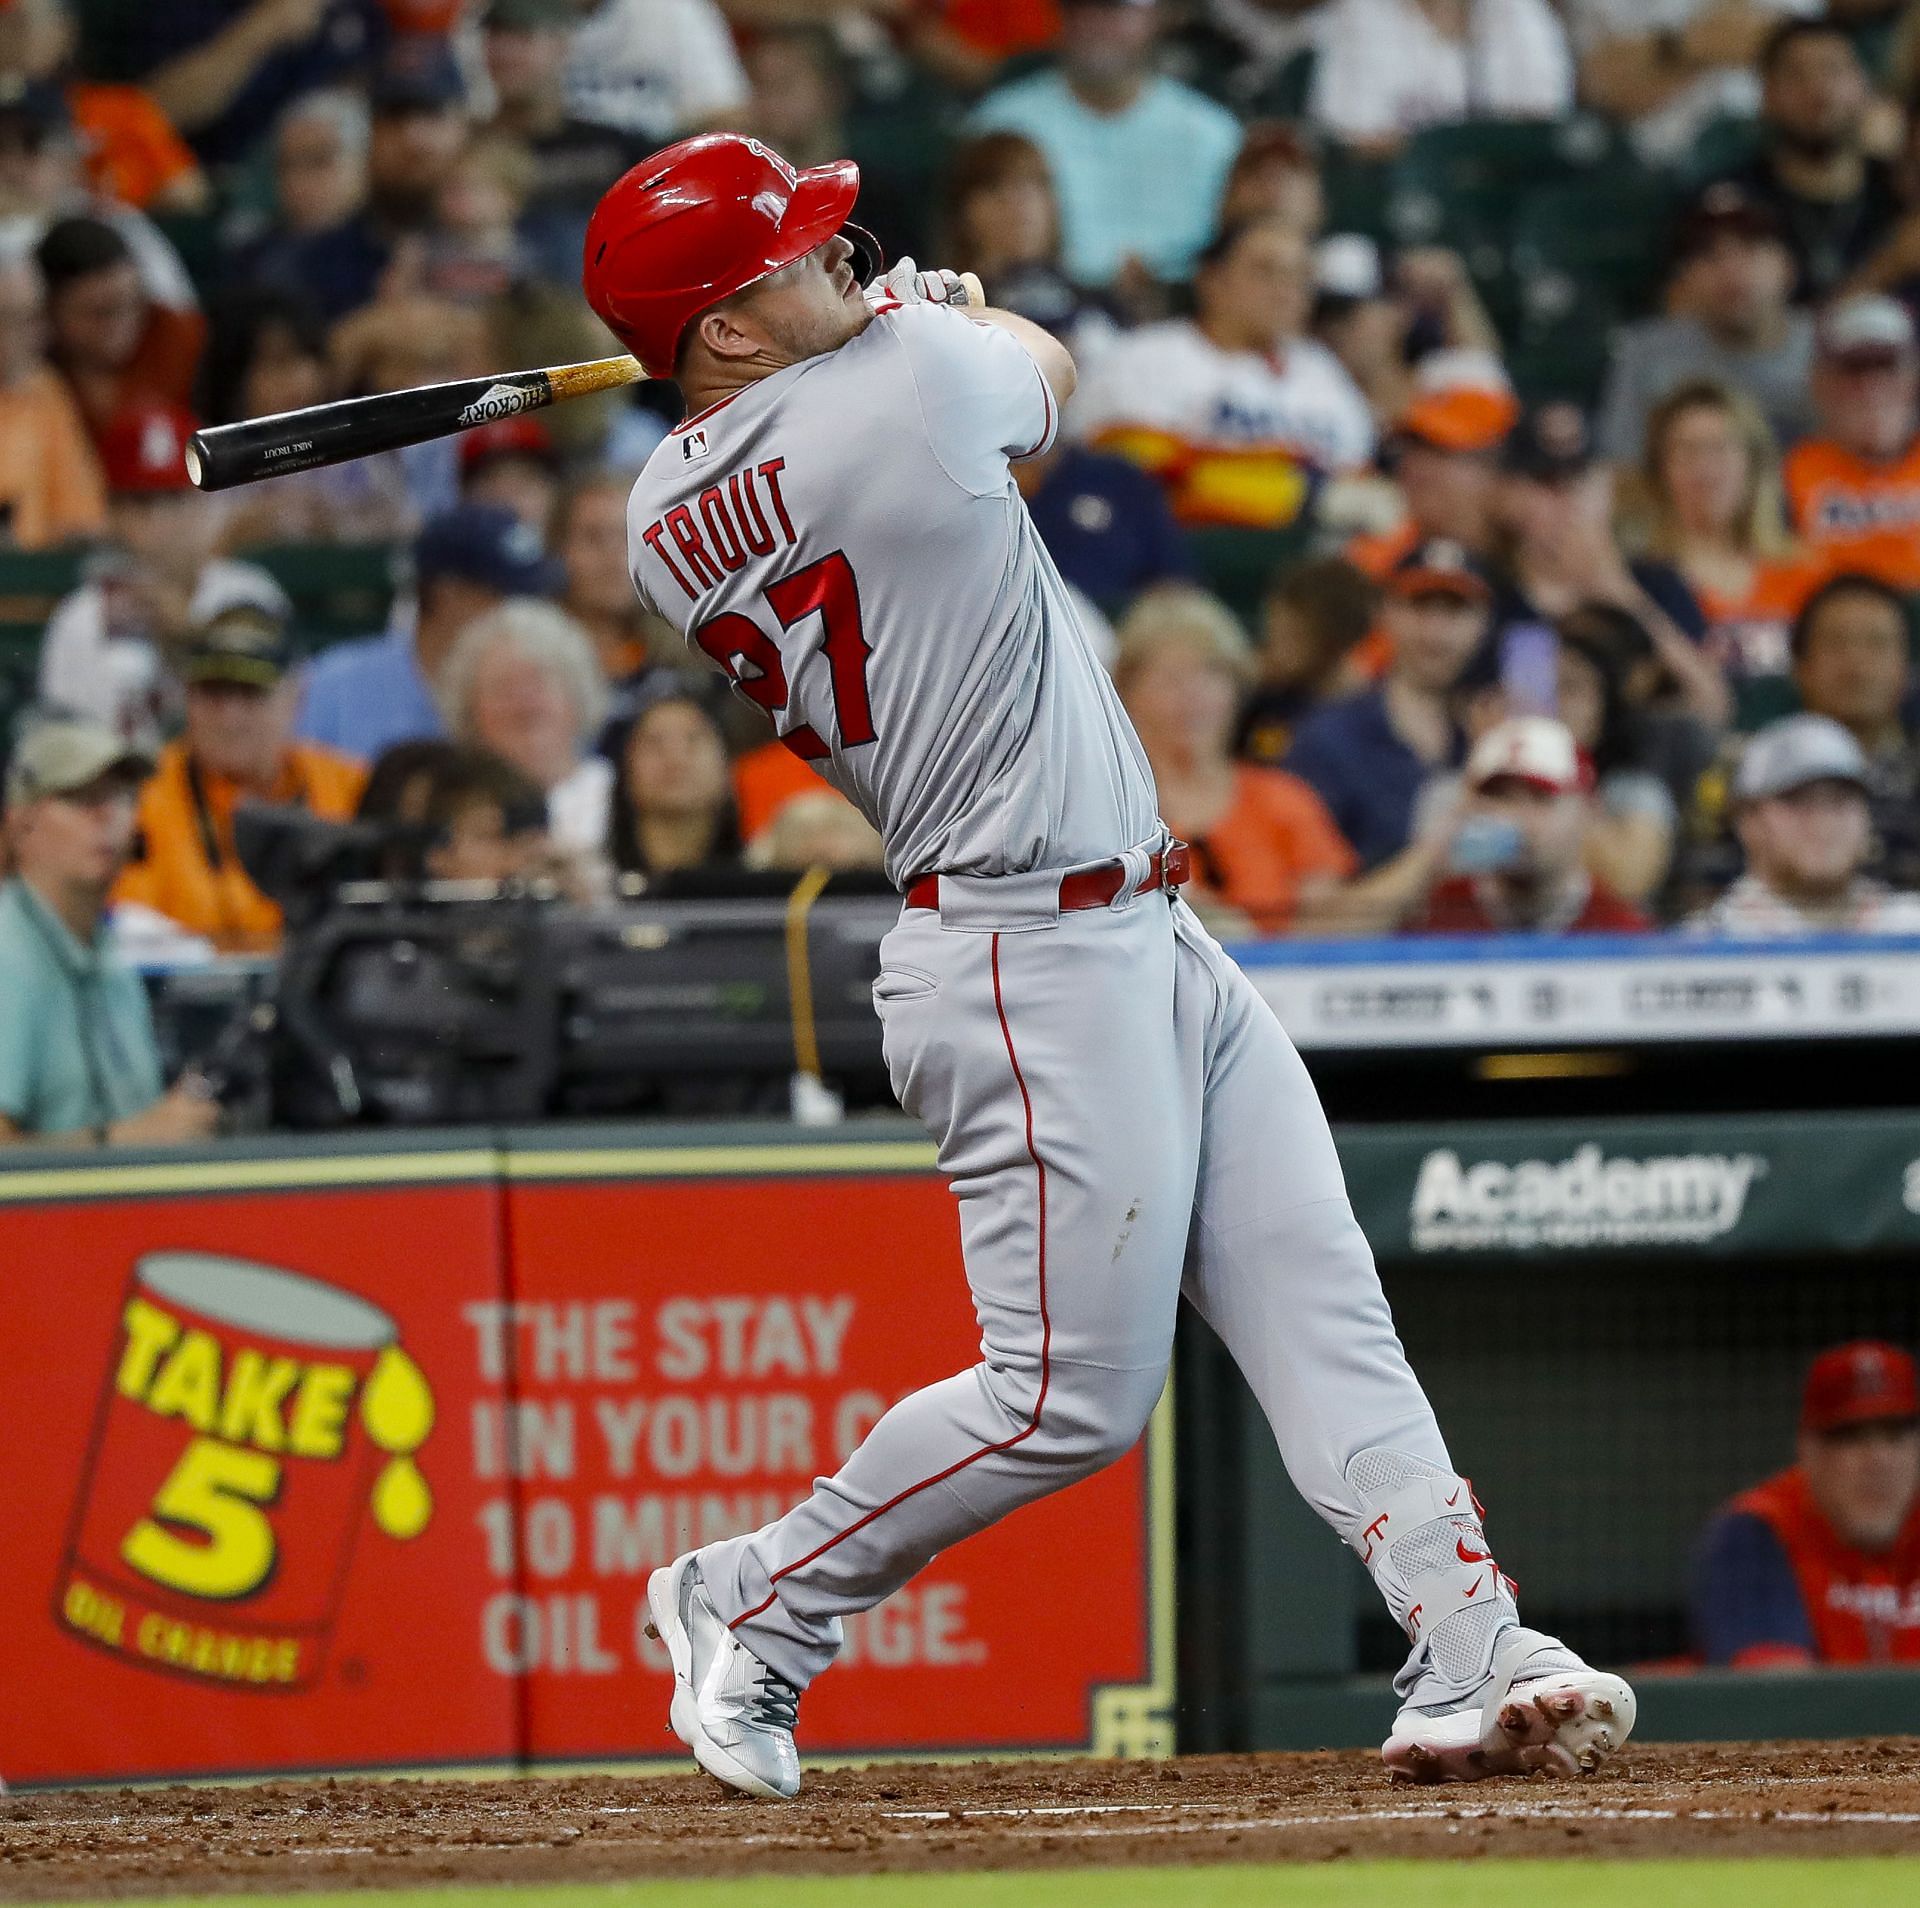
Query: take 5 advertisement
point(370, 1473)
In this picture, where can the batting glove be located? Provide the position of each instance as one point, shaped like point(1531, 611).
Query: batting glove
point(907, 284)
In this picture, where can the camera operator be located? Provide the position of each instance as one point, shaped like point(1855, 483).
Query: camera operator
point(78, 1064)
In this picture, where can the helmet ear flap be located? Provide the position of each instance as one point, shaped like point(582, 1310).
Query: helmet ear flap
point(869, 259)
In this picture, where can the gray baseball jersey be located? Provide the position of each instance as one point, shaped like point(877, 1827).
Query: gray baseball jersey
point(899, 619)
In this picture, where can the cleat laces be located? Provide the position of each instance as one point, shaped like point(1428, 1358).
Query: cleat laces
point(775, 1702)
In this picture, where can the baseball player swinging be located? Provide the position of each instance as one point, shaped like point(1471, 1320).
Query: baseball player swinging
point(1123, 1121)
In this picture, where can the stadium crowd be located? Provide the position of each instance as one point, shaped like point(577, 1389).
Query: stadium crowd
point(1495, 477)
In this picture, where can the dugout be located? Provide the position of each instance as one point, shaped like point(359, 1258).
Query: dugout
point(1610, 1271)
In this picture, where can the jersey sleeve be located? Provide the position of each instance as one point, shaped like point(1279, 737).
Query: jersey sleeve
point(983, 399)
point(1746, 1604)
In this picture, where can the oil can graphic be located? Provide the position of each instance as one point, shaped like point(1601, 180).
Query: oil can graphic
point(250, 1419)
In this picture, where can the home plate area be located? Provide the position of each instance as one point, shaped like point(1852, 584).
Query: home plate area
point(1721, 1799)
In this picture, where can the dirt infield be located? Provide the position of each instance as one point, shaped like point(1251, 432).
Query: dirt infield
point(1854, 1798)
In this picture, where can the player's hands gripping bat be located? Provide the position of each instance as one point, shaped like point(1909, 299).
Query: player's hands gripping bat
point(907, 284)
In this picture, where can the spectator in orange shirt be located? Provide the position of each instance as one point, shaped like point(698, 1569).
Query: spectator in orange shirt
point(116, 345)
point(1854, 490)
point(51, 490)
point(235, 749)
point(1713, 476)
point(1262, 840)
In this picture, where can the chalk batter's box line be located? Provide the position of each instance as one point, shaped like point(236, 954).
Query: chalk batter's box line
point(842, 1158)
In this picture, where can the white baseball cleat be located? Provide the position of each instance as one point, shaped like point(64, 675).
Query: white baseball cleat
point(1540, 1710)
point(729, 1708)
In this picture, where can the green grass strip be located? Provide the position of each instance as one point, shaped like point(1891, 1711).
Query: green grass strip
point(1842, 1882)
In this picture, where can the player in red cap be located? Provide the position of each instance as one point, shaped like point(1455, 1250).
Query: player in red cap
point(1821, 1563)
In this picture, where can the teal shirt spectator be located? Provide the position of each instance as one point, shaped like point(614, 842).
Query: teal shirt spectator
point(1146, 180)
point(76, 1037)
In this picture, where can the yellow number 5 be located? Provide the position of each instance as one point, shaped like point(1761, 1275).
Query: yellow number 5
point(214, 1490)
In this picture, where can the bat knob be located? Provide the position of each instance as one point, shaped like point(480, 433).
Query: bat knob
point(196, 464)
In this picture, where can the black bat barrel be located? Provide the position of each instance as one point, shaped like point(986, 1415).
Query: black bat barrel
point(227, 454)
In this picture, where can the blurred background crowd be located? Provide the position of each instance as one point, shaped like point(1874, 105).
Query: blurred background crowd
point(1495, 476)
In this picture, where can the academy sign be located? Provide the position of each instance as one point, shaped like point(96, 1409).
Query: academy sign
point(1587, 1199)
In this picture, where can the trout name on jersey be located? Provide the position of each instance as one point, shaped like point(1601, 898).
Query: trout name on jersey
point(737, 516)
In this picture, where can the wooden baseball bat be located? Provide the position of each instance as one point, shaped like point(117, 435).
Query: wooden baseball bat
point(228, 454)
point(224, 455)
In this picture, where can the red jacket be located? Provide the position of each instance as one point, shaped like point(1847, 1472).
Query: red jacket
point(1862, 1609)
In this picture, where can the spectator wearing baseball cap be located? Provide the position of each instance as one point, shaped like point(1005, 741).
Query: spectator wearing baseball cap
point(111, 647)
point(1853, 490)
point(78, 1063)
point(362, 697)
point(1800, 811)
point(514, 463)
point(1368, 754)
point(1821, 1562)
point(51, 490)
point(1517, 846)
point(1444, 455)
point(235, 749)
point(1729, 319)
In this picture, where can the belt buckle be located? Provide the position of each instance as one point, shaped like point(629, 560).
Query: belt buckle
point(1169, 883)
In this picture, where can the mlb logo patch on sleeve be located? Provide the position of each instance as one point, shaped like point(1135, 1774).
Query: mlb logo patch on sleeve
point(693, 447)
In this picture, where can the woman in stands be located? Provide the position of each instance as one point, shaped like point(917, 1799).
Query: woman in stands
point(673, 806)
point(1263, 842)
point(1713, 477)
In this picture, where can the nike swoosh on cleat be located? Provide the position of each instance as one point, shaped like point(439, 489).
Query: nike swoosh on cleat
point(1467, 1556)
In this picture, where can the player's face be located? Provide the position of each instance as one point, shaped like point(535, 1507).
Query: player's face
point(812, 307)
point(1853, 664)
point(1865, 1478)
point(1810, 841)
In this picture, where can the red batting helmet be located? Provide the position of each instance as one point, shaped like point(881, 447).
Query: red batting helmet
point(697, 222)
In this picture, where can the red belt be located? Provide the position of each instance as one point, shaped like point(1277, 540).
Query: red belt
point(1091, 887)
